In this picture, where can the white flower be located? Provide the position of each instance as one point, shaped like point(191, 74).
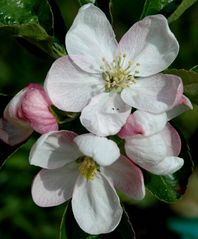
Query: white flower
point(84, 168)
point(104, 79)
point(152, 143)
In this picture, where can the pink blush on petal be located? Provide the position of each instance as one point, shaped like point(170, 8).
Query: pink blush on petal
point(35, 107)
point(131, 128)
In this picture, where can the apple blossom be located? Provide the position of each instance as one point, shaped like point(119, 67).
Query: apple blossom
point(154, 145)
point(85, 168)
point(27, 111)
point(103, 79)
point(151, 142)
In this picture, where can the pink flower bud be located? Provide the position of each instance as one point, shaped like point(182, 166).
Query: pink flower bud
point(35, 109)
point(27, 111)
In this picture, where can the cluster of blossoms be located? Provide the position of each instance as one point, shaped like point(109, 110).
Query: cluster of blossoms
point(103, 80)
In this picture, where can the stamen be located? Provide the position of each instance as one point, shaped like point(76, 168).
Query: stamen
point(88, 168)
point(118, 74)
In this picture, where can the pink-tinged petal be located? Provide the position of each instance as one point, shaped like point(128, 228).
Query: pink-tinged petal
point(105, 114)
point(13, 111)
point(150, 43)
point(55, 186)
point(54, 150)
point(14, 132)
point(91, 37)
point(183, 105)
point(14, 128)
point(153, 149)
point(104, 151)
point(171, 135)
point(35, 108)
point(126, 177)
point(70, 88)
point(3, 132)
point(95, 205)
point(143, 123)
point(167, 166)
point(155, 94)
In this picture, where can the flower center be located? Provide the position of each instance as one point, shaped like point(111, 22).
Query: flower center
point(118, 74)
point(88, 167)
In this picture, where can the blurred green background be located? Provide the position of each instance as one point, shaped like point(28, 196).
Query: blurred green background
point(19, 216)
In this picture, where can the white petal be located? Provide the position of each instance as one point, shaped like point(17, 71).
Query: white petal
point(12, 111)
point(95, 205)
point(180, 108)
point(167, 166)
point(14, 132)
point(105, 114)
point(55, 186)
point(13, 128)
point(104, 151)
point(126, 177)
point(91, 38)
point(155, 94)
point(54, 150)
point(153, 149)
point(151, 44)
point(70, 88)
point(143, 123)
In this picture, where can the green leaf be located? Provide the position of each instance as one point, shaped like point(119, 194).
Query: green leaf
point(166, 7)
point(171, 187)
point(163, 187)
point(59, 26)
point(20, 12)
point(190, 81)
point(185, 4)
point(31, 20)
point(172, 9)
point(194, 68)
point(82, 2)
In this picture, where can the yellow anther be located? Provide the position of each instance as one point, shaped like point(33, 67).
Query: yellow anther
point(116, 74)
point(88, 168)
